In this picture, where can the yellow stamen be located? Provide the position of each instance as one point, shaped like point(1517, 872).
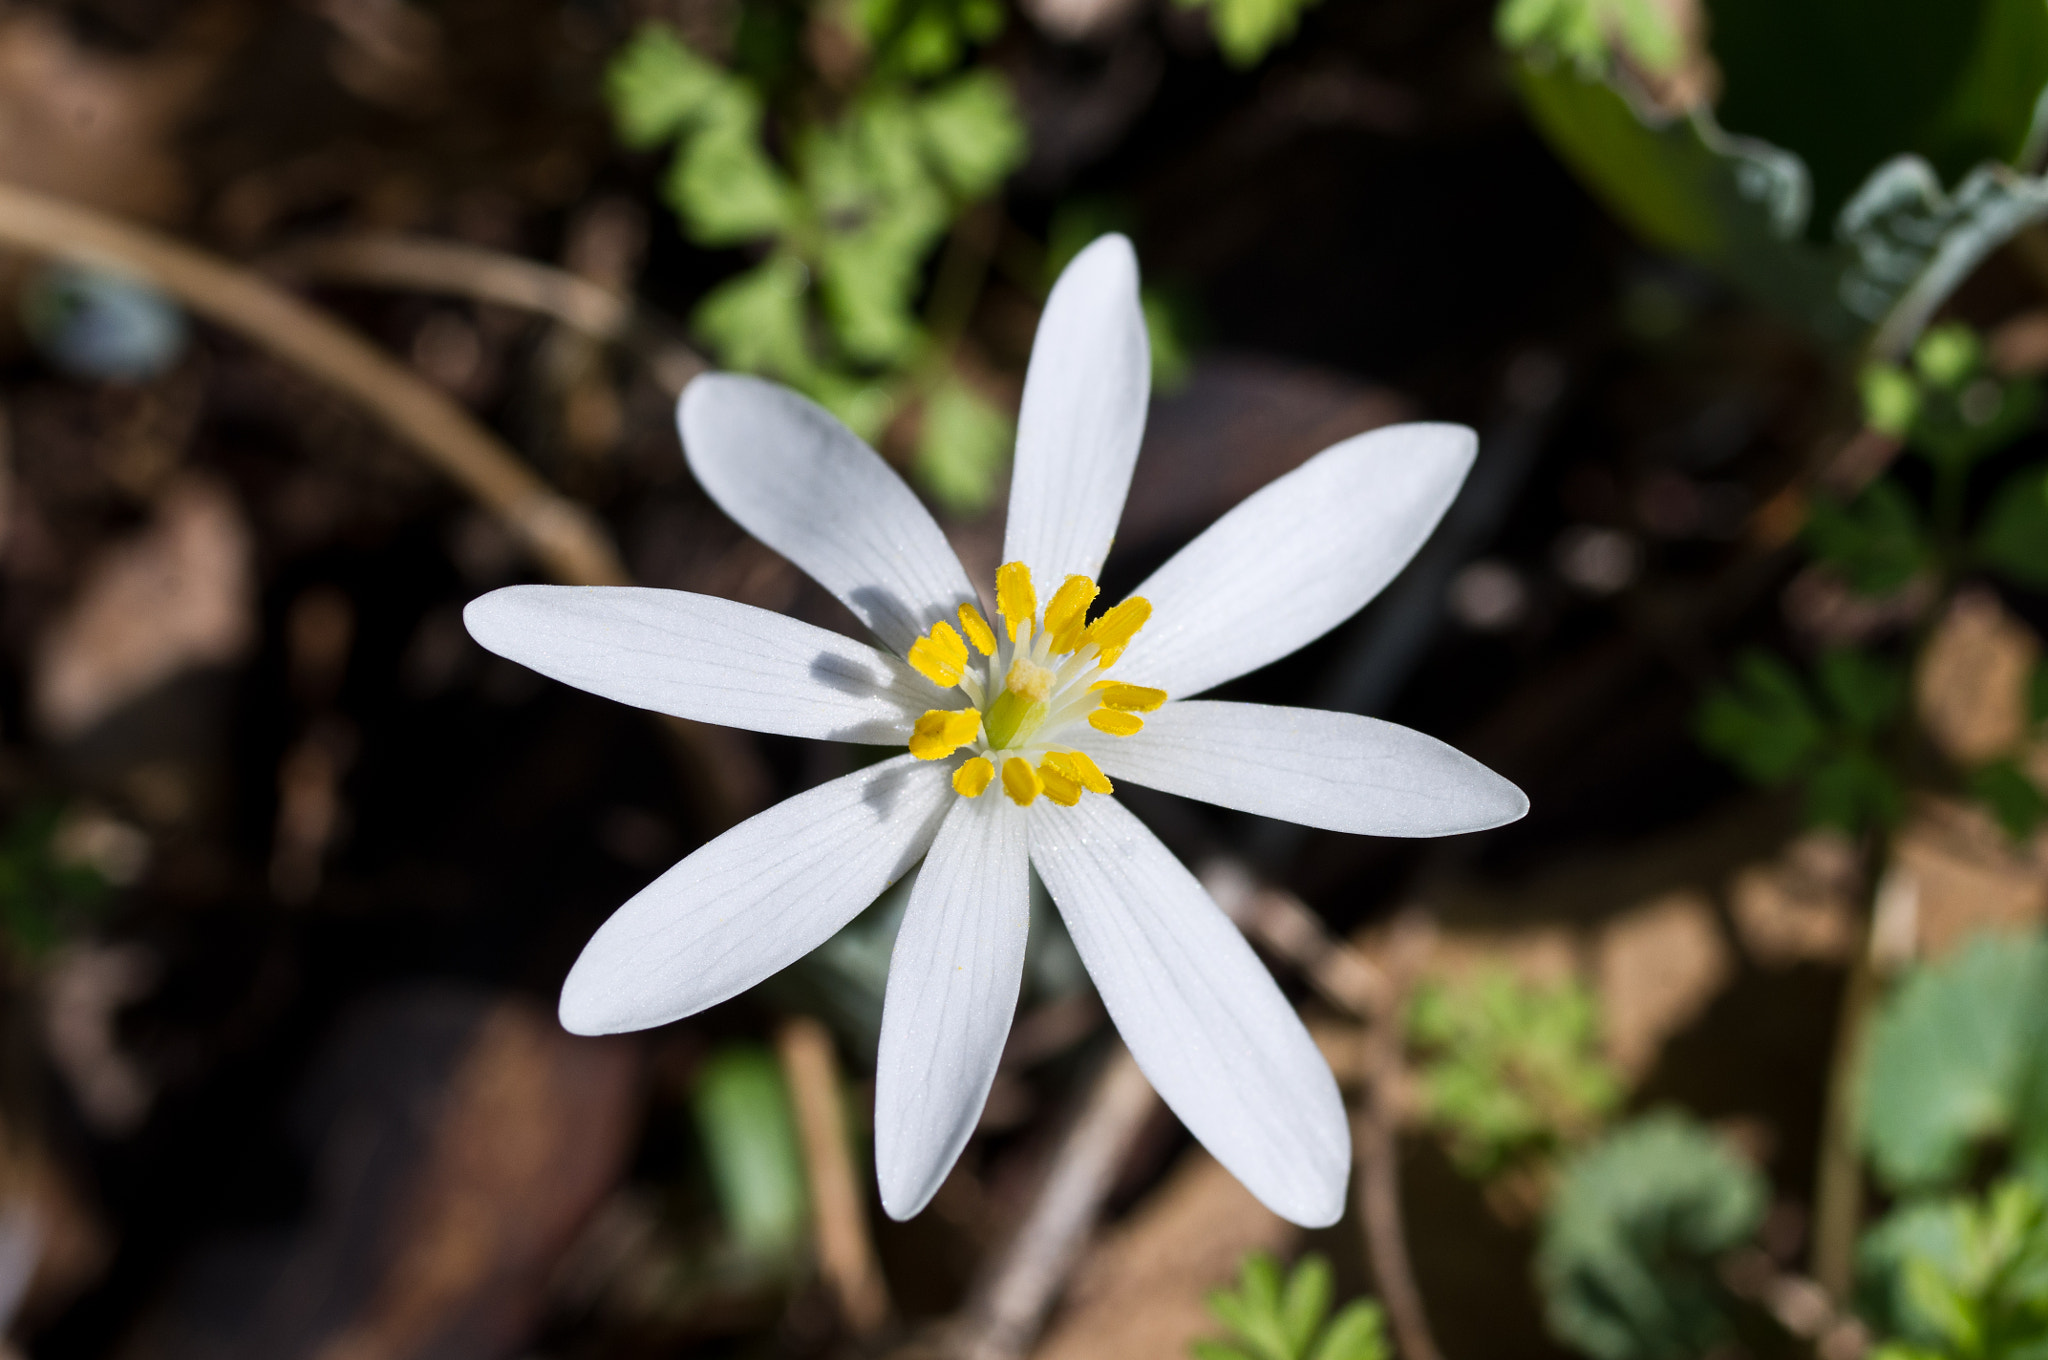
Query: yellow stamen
point(1021, 782)
point(978, 632)
point(1076, 766)
point(1015, 599)
point(1029, 679)
point(940, 732)
point(1115, 723)
point(940, 657)
point(1113, 631)
point(1058, 787)
point(1067, 612)
point(970, 779)
point(1128, 698)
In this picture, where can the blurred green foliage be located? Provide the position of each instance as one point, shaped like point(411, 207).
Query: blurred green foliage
point(1632, 1236)
point(1246, 30)
point(843, 194)
point(1276, 1317)
point(1510, 1071)
point(1958, 1060)
point(744, 1121)
point(1961, 1278)
point(42, 895)
point(1824, 731)
point(1864, 155)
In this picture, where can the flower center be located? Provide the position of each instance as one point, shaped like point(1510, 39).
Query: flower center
point(1031, 689)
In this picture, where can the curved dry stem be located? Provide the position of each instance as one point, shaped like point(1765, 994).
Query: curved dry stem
point(563, 536)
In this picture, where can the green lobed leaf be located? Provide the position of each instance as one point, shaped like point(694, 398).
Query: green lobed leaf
point(755, 321)
point(1764, 723)
point(1951, 1058)
point(1961, 1277)
point(1865, 692)
point(1358, 1332)
point(722, 183)
point(2013, 538)
point(1306, 1302)
point(1875, 542)
point(973, 132)
point(1854, 791)
point(1633, 1235)
point(655, 85)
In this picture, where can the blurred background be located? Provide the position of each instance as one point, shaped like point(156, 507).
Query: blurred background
point(323, 318)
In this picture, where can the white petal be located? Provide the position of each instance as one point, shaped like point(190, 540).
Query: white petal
point(756, 899)
point(804, 484)
point(703, 658)
point(1200, 1013)
point(1337, 771)
point(953, 983)
point(1297, 557)
point(1082, 418)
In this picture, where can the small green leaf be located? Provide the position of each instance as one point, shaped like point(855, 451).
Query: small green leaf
point(1217, 1350)
point(963, 447)
point(722, 183)
point(1853, 791)
point(1950, 1060)
point(755, 321)
point(749, 1135)
point(2011, 796)
point(1358, 1332)
point(1865, 692)
point(1875, 543)
point(1580, 30)
point(1246, 30)
point(1306, 1302)
point(655, 85)
point(1633, 1236)
point(1891, 399)
point(973, 132)
point(1948, 355)
point(1764, 724)
point(2014, 536)
point(1166, 328)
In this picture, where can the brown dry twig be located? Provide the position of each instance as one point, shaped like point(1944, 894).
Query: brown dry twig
point(451, 267)
point(839, 1206)
point(565, 538)
point(1009, 1303)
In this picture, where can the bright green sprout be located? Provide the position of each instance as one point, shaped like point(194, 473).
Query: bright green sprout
point(1275, 1318)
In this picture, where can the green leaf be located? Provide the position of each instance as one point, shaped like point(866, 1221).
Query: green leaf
point(655, 85)
point(1963, 1278)
point(2011, 796)
point(1217, 1350)
point(1510, 1071)
point(755, 321)
point(1633, 1235)
point(1864, 691)
point(722, 183)
point(1246, 30)
point(2014, 536)
point(1167, 329)
point(1358, 1332)
point(1764, 724)
point(1579, 31)
point(1951, 1055)
point(973, 132)
point(1853, 791)
point(1948, 355)
point(1875, 543)
point(749, 1135)
point(1891, 399)
point(962, 448)
point(1306, 1302)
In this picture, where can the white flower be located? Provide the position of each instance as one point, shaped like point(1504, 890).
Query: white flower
point(1015, 731)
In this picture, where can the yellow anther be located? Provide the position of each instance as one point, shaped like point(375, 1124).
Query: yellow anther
point(1076, 766)
point(1021, 782)
point(1058, 787)
point(1113, 631)
point(1115, 723)
point(940, 657)
point(1128, 698)
point(978, 632)
point(1066, 614)
point(940, 732)
point(1029, 680)
point(970, 779)
point(1015, 599)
